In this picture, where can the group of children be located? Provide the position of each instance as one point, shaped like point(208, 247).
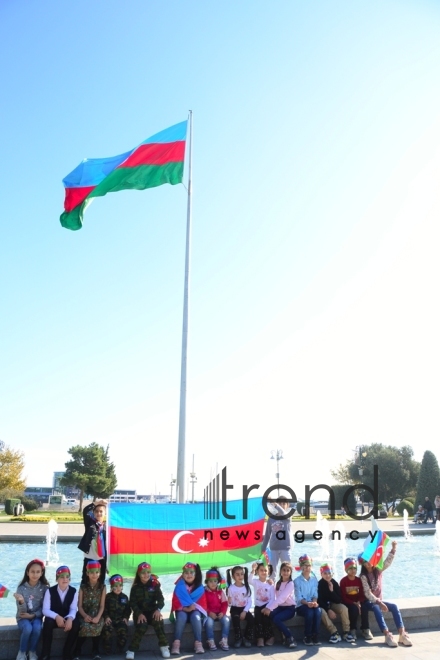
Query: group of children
point(91, 612)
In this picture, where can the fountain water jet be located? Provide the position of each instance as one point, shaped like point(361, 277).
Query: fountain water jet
point(323, 527)
point(406, 532)
point(52, 558)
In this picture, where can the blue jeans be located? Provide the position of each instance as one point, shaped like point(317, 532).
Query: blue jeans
point(195, 619)
point(373, 607)
point(312, 619)
point(30, 634)
point(281, 614)
point(225, 622)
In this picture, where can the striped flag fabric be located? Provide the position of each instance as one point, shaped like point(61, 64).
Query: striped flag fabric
point(375, 546)
point(168, 535)
point(156, 161)
point(3, 591)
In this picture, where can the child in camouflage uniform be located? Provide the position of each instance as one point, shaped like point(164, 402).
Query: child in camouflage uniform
point(116, 614)
point(146, 601)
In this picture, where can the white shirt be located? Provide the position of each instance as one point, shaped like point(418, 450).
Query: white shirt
point(62, 594)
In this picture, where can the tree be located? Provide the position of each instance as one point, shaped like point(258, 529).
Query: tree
point(11, 468)
point(398, 471)
point(428, 484)
point(91, 471)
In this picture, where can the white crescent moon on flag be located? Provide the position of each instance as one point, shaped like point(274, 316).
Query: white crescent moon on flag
point(175, 542)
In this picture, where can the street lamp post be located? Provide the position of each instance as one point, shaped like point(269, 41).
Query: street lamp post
point(172, 484)
point(193, 480)
point(277, 455)
point(362, 455)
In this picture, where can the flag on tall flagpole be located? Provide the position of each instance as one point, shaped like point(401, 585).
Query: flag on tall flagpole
point(375, 546)
point(156, 161)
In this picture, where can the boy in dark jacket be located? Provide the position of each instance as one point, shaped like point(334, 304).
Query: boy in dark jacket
point(330, 602)
point(116, 615)
point(60, 606)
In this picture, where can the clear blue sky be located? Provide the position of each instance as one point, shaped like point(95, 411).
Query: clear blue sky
point(314, 284)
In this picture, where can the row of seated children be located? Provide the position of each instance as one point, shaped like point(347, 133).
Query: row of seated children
point(89, 612)
point(101, 615)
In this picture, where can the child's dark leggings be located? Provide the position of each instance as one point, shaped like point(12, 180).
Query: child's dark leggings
point(95, 645)
point(235, 617)
point(353, 613)
point(263, 624)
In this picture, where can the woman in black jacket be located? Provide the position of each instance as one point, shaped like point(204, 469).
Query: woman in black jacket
point(93, 543)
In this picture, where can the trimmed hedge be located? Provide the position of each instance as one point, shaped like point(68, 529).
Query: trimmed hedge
point(9, 505)
point(405, 504)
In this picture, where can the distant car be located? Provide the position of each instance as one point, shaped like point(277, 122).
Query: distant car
point(71, 502)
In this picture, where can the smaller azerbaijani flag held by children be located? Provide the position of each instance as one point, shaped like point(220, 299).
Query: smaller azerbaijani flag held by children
point(3, 591)
point(156, 161)
point(375, 546)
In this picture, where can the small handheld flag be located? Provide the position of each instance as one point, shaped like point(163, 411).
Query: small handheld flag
point(374, 549)
point(264, 558)
point(3, 591)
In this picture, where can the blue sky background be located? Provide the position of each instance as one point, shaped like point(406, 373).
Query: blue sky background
point(314, 284)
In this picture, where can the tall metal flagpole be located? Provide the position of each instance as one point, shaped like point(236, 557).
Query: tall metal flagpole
point(180, 483)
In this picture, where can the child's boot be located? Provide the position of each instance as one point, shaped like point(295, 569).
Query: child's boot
point(175, 647)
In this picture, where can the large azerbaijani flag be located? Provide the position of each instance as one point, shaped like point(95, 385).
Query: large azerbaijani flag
point(168, 535)
point(375, 546)
point(156, 161)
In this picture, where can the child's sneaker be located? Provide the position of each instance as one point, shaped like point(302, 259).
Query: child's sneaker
point(334, 639)
point(198, 647)
point(164, 651)
point(21, 655)
point(308, 641)
point(224, 644)
point(291, 643)
point(348, 637)
point(32, 655)
point(270, 641)
point(260, 642)
point(353, 634)
point(129, 655)
point(238, 643)
point(247, 643)
point(316, 641)
point(175, 647)
point(211, 645)
point(366, 634)
point(404, 639)
point(389, 640)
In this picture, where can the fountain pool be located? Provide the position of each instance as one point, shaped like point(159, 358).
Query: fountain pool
point(417, 562)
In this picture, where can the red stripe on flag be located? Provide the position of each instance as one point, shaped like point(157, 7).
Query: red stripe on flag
point(138, 541)
point(76, 196)
point(156, 154)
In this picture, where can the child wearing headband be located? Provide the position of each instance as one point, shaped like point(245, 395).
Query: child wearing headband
point(352, 595)
point(281, 607)
point(59, 609)
point(264, 592)
point(147, 601)
point(371, 578)
point(330, 602)
point(29, 596)
point(217, 607)
point(306, 596)
point(91, 602)
point(117, 612)
point(240, 599)
point(189, 604)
